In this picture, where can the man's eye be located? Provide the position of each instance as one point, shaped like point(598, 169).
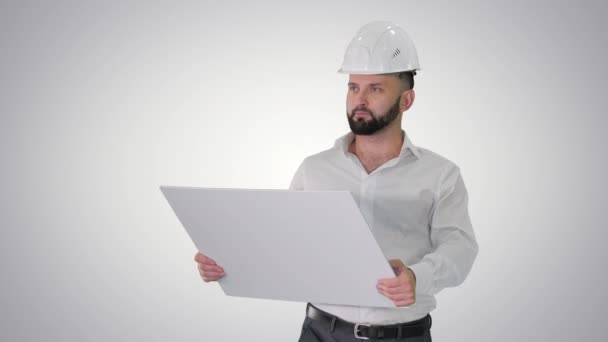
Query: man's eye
point(376, 89)
point(353, 89)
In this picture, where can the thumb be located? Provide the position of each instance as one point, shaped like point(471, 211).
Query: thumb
point(397, 265)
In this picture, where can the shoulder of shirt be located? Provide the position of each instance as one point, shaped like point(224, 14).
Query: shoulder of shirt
point(437, 161)
point(428, 154)
point(322, 157)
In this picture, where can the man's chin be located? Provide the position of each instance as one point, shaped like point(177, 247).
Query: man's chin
point(363, 130)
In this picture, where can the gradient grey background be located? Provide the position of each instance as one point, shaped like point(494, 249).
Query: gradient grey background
point(102, 102)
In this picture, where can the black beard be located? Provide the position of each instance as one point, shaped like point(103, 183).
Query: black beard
point(372, 126)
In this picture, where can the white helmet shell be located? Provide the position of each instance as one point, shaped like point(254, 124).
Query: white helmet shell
point(380, 47)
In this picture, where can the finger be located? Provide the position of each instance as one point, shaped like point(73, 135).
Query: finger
point(398, 297)
point(399, 280)
point(211, 277)
point(391, 282)
point(202, 268)
point(208, 268)
point(208, 279)
point(403, 286)
point(397, 265)
point(211, 272)
point(393, 290)
point(198, 257)
point(409, 298)
point(393, 296)
point(406, 302)
point(203, 259)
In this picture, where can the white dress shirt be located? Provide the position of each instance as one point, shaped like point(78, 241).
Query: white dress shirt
point(416, 208)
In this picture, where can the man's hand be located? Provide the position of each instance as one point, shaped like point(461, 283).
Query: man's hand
point(208, 269)
point(400, 289)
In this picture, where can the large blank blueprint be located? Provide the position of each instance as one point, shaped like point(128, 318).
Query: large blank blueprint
point(309, 246)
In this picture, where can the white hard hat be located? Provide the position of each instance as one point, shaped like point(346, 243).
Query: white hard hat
point(380, 47)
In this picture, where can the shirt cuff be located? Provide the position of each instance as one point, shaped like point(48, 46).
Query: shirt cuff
point(424, 277)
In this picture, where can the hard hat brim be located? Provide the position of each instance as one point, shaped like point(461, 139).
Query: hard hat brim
point(375, 72)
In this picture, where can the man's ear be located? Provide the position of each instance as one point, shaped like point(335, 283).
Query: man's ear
point(407, 100)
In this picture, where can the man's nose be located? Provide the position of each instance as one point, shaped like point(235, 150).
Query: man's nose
point(361, 98)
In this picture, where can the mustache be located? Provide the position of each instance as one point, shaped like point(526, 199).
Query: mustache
point(361, 109)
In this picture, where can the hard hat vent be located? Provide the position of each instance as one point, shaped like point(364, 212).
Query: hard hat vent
point(396, 53)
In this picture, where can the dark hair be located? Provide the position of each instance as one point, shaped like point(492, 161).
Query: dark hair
point(407, 77)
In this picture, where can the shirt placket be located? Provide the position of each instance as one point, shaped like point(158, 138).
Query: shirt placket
point(367, 191)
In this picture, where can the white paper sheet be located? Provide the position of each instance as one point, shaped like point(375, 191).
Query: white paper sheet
point(308, 246)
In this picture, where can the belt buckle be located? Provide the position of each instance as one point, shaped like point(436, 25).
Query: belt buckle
point(356, 331)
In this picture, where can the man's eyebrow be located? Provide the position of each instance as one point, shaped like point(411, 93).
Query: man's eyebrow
point(371, 84)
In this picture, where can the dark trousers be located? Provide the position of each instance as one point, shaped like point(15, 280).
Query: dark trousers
point(315, 331)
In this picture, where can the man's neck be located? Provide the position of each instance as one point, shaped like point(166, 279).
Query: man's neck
point(378, 148)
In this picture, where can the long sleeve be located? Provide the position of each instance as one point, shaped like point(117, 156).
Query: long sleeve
point(452, 237)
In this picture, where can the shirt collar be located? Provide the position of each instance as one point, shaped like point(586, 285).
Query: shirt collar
point(344, 141)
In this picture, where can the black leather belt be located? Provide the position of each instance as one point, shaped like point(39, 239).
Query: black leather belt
point(365, 331)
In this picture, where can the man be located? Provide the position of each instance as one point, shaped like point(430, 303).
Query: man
point(414, 200)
